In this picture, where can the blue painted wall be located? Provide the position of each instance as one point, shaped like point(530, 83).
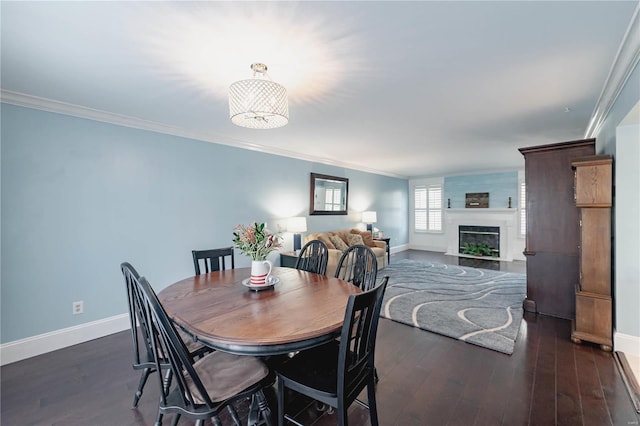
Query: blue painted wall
point(625, 208)
point(79, 197)
point(500, 187)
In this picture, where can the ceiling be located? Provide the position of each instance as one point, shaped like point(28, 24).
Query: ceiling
point(404, 89)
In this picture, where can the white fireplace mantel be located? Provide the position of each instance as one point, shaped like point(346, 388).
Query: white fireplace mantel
point(505, 219)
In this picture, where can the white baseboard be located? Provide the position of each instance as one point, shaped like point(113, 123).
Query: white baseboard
point(627, 344)
point(398, 249)
point(47, 342)
point(427, 248)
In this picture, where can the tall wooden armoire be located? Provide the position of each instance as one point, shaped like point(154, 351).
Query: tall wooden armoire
point(553, 232)
point(593, 195)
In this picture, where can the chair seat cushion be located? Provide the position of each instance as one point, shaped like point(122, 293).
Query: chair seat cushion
point(314, 368)
point(225, 375)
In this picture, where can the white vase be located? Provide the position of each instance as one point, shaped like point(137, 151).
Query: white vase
point(260, 270)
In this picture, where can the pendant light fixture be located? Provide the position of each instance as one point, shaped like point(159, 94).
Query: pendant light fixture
point(259, 102)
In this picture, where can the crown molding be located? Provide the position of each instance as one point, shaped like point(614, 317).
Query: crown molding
point(58, 107)
point(623, 65)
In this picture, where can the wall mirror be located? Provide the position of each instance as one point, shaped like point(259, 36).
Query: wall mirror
point(329, 195)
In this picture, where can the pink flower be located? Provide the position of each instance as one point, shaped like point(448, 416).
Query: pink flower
point(255, 241)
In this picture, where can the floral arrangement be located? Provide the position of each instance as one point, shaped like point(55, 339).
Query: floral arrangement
point(255, 240)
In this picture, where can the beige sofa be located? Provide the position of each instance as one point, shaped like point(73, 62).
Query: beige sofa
point(378, 247)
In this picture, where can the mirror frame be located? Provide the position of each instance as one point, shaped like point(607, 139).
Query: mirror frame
point(316, 177)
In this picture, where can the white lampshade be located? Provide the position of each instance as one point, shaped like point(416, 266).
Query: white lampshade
point(297, 224)
point(369, 217)
point(258, 103)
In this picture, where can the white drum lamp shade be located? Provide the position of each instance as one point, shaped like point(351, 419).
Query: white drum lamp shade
point(296, 225)
point(369, 217)
point(258, 103)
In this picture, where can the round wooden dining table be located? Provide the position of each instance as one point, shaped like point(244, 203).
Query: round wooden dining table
point(300, 311)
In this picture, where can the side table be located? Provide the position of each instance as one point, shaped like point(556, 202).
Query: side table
point(288, 259)
point(388, 241)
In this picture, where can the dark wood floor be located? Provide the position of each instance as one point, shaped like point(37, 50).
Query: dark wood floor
point(425, 379)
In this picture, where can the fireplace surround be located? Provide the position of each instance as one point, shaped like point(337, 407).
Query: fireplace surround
point(504, 219)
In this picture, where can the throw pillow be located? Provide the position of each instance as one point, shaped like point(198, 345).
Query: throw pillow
point(337, 241)
point(343, 235)
point(325, 239)
point(354, 239)
point(366, 237)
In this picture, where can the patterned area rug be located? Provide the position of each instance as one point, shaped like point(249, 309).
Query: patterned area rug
point(477, 306)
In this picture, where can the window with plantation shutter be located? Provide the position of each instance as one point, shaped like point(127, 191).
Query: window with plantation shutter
point(522, 206)
point(420, 194)
point(428, 208)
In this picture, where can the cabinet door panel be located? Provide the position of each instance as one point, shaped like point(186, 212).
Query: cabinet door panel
point(593, 318)
point(593, 182)
point(595, 253)
point(551, 279)
point(552, 216)
point(553, 231)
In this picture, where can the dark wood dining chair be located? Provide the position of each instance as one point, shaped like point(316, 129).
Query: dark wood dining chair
point(359, 266)
point(143, 356)
point(335, 373)
point(313, 257)
point(213, 259)
point(203, 388)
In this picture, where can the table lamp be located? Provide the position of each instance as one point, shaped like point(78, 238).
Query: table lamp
point(296, 225)
point(369, 217)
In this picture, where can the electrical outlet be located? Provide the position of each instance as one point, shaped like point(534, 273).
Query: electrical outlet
point(77, 307)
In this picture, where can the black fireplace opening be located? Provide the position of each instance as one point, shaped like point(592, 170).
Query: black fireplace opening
point(479, 240)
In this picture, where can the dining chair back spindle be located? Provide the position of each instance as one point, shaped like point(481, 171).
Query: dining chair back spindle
point(358, 265)
point(313, 257)
point(335, 373)
point(213, 259)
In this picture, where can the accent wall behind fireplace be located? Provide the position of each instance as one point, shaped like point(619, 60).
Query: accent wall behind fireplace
point(478, 200)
